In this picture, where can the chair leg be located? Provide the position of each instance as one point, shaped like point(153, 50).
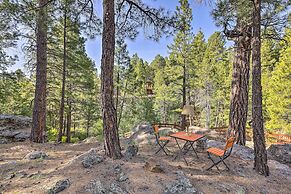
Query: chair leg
point(224, 163)
point(214, 163)
point(162, 147)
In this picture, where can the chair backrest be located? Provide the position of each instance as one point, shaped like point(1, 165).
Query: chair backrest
point(156, 129)
point(229, 144)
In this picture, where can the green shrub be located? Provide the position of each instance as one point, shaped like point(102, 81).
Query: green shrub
point(52, 134)
point(80, 134)
point(64, 139)
point(74, 140)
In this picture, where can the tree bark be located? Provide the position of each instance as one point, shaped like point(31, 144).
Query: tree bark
point(260, 164)
point(240, 86)
point(122, 105)
point(208, 106)
point(69, 121)
point(39, 108)
point(110, 131)
point(88, 124)
point(62, 104)
point(183, 117)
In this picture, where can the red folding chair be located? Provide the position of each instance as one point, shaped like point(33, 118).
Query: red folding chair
point(162, 141)
point(221, 154)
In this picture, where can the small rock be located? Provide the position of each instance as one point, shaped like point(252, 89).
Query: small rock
point(3, 141)
point(36, 155)
point(95, 187)
point(131, 151)
point(11, 176)
point(116, 189)
point(22, 136)
point(156, 168)
point(241, 190)
point(117, 169)
point(122, 177)
point(90, 140)
point(92, 159)
point(181, 185)
point(280, 152)
point(60, 186)
point(21, 174)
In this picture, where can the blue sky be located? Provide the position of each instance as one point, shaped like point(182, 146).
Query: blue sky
point(148, 49)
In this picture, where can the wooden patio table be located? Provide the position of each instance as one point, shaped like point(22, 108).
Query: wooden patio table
point(189, 138)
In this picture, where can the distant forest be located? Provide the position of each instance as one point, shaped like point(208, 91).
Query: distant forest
point(198, 71)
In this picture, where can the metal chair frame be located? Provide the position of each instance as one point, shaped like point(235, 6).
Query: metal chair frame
point(226, 154)
point(162, 145)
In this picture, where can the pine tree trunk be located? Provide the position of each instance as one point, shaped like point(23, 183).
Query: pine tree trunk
point(110, 131)
point(183, 117)
point(39, 108)
point(62, 104)
point(121, 106)
point(117, 91)
point(88, 125)
point(164, 111)
point(260, 164)
point(69, 121)
point(240, 86)
point(208, 106)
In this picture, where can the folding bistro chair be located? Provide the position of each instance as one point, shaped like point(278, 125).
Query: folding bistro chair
point(222, 154)
point(162, 141)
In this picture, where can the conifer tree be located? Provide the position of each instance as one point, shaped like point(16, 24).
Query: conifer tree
point(278, 100)
point(180, 49)
point(213, 60)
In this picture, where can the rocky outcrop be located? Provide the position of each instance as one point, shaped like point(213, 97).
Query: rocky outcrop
point(59, 186)
point(154, 165)
point(131, 151)
point(14, 128)
point(36, 155)
point(14, 121)
point(97, 187)
point(181, 185)
point(144, 134)
point(90, 140)
point(92, 158)
point(280, 152)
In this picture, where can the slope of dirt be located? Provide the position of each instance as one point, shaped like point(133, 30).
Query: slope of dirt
point(20, 175)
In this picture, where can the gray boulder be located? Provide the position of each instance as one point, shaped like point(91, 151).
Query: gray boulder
point(92, 158)
point(95, 187)
point(59, 186)
point(144, 134)
point(4, 140)
point(283, 169)
point(14, 121)
point(36, 155)
point(122, 177)
point(14, 128)
point(116, 189)
point(131, 151)
point(181, 185)
point(280, 152)
point(22, 136)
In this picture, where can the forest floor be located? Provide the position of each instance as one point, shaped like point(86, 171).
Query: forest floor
point(20, 175)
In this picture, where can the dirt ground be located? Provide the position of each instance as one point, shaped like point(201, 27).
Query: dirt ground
point(20, 175)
